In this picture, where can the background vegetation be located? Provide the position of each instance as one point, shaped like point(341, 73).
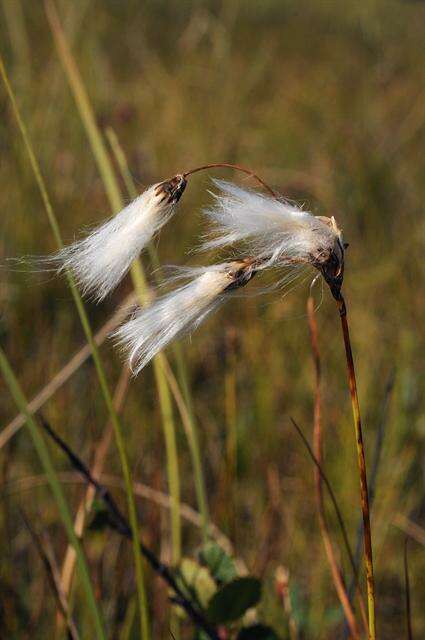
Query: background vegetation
point(326, 102)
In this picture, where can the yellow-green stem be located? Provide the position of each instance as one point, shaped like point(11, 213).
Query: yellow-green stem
point(364, 497)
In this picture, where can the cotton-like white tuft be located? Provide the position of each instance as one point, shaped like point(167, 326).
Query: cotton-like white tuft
point(275, 230)
point(179, 312)
point(101, 260)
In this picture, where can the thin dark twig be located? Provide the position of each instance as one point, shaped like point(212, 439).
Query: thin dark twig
point(331, 495)
point(52, 579)
point(119, 523)
point(407, 592)
point(237, 167)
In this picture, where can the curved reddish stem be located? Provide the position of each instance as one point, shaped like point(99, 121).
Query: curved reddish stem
point(237, 167)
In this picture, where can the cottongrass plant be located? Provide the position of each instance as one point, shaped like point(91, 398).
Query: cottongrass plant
point(276, 233)
point(272, 229)
point(273, 233)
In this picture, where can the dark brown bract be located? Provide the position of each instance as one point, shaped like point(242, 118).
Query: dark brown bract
point(172, 189)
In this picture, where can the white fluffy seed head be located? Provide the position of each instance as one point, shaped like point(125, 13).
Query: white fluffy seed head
point(274, 228)
point(177, 313)
point(100, 260)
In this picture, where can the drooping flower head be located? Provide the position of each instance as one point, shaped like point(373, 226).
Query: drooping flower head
point(276, 232)
point(177, 313)
point(100, 260)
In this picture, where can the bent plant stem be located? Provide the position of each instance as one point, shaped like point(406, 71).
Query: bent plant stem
point(236, 167)
point(95, 353)
point(317, 447)
point(364, 498)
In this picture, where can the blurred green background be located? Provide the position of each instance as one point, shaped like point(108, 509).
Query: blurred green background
point(324, 100)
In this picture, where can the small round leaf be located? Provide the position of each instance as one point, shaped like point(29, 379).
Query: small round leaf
point(231, 601)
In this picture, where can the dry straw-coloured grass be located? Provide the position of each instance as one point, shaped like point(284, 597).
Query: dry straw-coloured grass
point(331, 116)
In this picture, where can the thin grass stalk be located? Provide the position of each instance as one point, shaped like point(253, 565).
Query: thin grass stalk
point(340, 519)
point(60, 378)
point(15, 24)
point(121, 160)
point(86, 502)
point(95, 353)
point(317, 447)
point(193, 441)
point(127, 625)
point(410, 528)
point(142, 491)
point(361, 461)
point(376, 460)
point(188, 428)
point(230, 407)
point(43, 454)
point(46, 555)
point(172, 458)
point(188, 419)
point(409, 629)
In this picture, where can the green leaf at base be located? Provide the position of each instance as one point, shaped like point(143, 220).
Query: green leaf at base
point(231, 601)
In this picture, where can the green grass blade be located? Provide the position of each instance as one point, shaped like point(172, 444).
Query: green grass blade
point(95, 353)
point(172, 458)
point(43, 454)
point(122, 163)
point(116, 201)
